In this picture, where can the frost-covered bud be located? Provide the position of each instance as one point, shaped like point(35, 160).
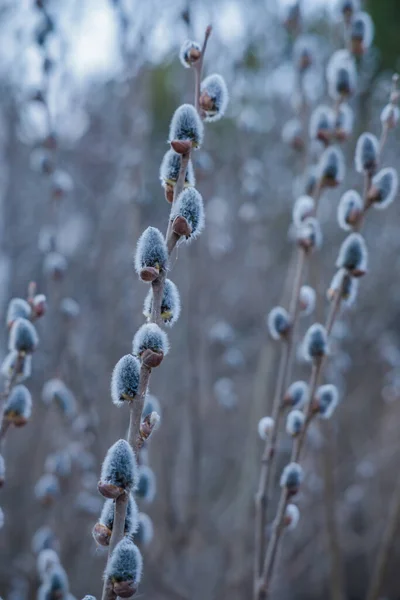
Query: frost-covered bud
point(350, 210)
point(58, 464)
point(18, 406)
point(187, 214)
point(278, 322)
point(307, 300)
point(367, 150)
point(304, 52)
point(145, 530)
point(361, 33)
point(344, 284)
point(44, 538)
point(331, 167)
point(47, 489)
point(46, 560)
point(17, 309)
point(125, 379)
point(55, 390)
point(42, 161)
point(169, 173)
point(309, 235)
point(303, 208)
point(214, 97)
point(103, 529)
point(344, 122)
point(152, 338)
point(146, 488)
point(265, 426)
point(119, 471)
point(170, 304)
point(390, 116)
point(189, 53)
point(295, 422)
point(61, 184)
point(151, 254)
point(383, 188)
point(124, 568)
point(326, 400)
point(291, 478)
point(55, 265)
point(2, 471)
point(353, 255)
point(70, 308)
point(296, 395)
point(321, 124)
point(315, 342)
point(292, 134)
point(151, 404)
point(186, 125)
point(292, 516)
point(13, 361)
point(341, 75)
point(23, 337)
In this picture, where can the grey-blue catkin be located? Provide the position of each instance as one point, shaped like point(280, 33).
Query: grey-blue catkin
point(11, 361)
point(58, 463)
point(151, 251)
point(296, 395)
point(18, 406)
point(214, 97)
point(145, 530)
point(315, 342)
point(278, 322)
point(303, 208)
point(350, 209)
point(327, 397)
point(353, 255)
point(151, 404)
point(366, 156)
point(125, 379)
point(44, 538)
point(362, 29)
point(170, 167)
point(47, 488)
point(309, 234)
point(146, 488)
point(189, 53)
point(17, 308)
point(170, 304)
point(55, 265)
point(57, 581)
point(331, 167)
point(291, 478)
point(295, 422)
point(119, 466)
point(150, 337)
point(321, 123)
point(186, 125)
point(341, 75)
point(131, 518)
point(125, 563)
point(384, 188)
point(343, 283)
point(189, 205)
point(23, 337)
point(55, 390)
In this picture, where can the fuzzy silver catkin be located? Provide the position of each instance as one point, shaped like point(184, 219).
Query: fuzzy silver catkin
point(145, 530)
point(57, 582)
point(390, 115)
point(10, 362)
point(170, 167)
point(265, 426)
point(151, 404)
point(309, 234)
point(131, 519)
point(307, 300)
point(189, 205)
point(341, 75)
point(150, 337)
point(327, 397)
point(366, 155)
point(119, 467)
point(303, 208)
point(47, 488)
point(353, 255)
point(386, 185)
point(292, 516)
point(125, 563)
point(331, 166)
point(189, 52)
point(56, 391)
point(151, 251)
point(296, 395)
point(170, 304)
point(291, 478)
point(278, 322)
point(214, 97)
point(322, 121)
point(17, 308)
point(315, 343)
point(345, 284)
point(349, 210)
point(125, 379)
point(18, 406)
point(362, 29)
point(44, 538)
point(295, 422)
point(23, 337)
point(146, 487)
point(186, 125)
point(46, 560)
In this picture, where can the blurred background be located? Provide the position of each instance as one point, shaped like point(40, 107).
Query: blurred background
point(111, 79)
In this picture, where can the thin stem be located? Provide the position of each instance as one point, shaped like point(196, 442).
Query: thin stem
point(198, 69)
point(136, 408)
